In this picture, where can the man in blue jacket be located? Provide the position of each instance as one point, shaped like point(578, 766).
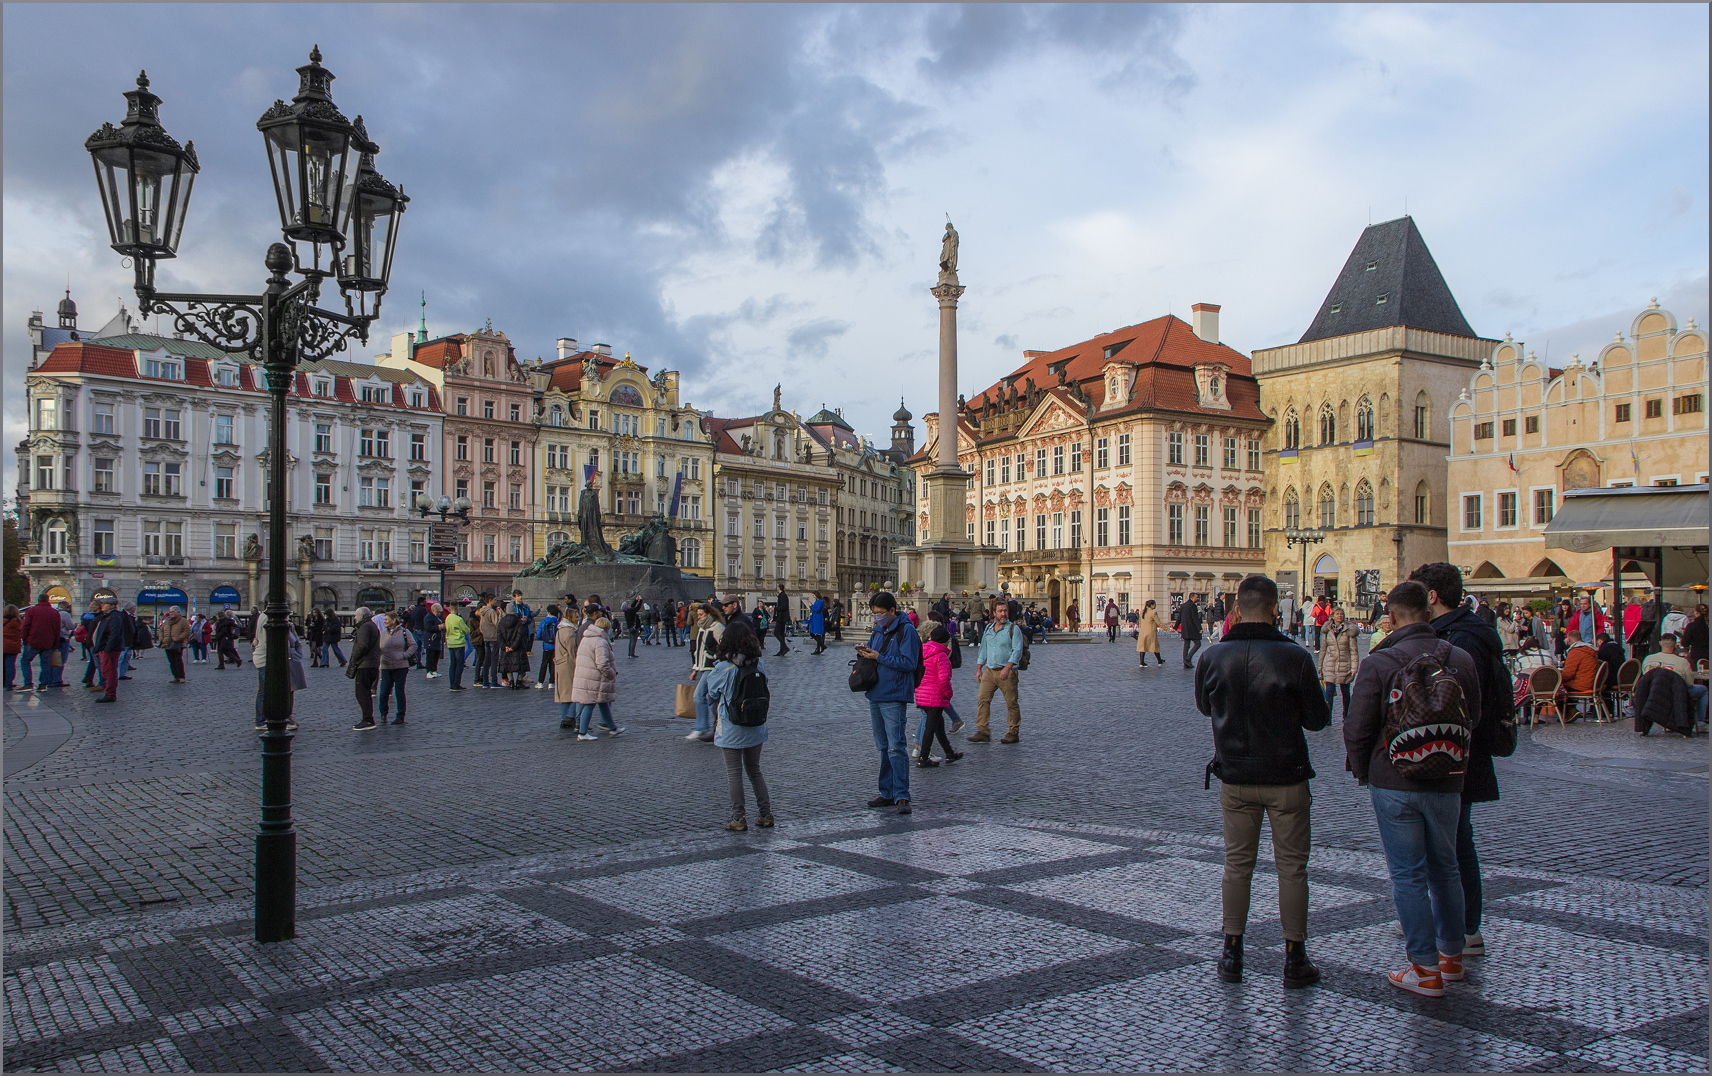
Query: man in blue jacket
point(896, 648)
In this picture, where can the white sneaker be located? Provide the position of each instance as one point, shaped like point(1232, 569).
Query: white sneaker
point(538, 687)
point(1397, 930)
point(693, 736)
point(1473, 944)
point(586, 736)
point(614, 732)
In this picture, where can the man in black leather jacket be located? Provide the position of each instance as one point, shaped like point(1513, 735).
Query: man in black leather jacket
point(1189, 627)
point(1262, 690)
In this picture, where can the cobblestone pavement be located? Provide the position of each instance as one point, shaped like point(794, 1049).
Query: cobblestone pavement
point(1051, 905)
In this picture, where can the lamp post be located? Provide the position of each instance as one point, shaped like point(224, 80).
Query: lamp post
point(457, 513)
point(1304, 537)
point(348, 221)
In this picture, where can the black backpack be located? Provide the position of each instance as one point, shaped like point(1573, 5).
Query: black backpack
point(956, 654)
point(750, 697)
point(141, 637)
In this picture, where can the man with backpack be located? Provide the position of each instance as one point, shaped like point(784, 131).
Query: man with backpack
point(1495, 723)
point(1003, 651)
point(548, 630)
point(1413, 708)
point(1262, 691)
point(895, 649)
point(632, 611)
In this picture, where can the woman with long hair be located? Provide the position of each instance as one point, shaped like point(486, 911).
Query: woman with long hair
point(704, 655)
point(1147, 634)
point(739, 654)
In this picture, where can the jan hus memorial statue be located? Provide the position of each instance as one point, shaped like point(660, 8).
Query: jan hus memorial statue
point(645, 563)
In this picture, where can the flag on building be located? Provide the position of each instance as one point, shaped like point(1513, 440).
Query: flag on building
point(677, 488)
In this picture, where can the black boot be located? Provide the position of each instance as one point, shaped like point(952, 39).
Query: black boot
point(1299, 971)
point(1230, 962)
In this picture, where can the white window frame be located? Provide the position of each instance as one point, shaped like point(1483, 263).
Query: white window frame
point(1498, 512)
point(1533, 514)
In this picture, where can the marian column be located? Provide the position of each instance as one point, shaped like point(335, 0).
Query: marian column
point(944, 560)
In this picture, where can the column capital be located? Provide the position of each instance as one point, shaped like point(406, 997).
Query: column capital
point(947, 293)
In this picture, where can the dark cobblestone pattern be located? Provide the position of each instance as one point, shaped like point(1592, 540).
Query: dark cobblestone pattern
point(153, 801)
point(718, 961)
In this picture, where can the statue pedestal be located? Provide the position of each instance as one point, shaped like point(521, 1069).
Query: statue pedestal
point(614, 584)
point(944, 561)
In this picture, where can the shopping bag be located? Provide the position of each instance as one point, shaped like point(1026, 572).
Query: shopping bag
point(686, 701)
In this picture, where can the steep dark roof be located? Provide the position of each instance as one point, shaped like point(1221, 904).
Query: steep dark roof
point(1403, 274)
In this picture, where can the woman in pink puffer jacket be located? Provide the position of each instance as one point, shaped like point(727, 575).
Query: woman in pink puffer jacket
point(933, 694)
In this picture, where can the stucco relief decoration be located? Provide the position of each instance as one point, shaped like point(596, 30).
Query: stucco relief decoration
point(1254, 498)
point(1124, 494)
point(1076, 498)
point(969, 513)
point(1102, 497)
point(991, 511)
point(1580, 471)
point(1176, 493)
point(1203, 494)
point(1057, 500)
point(1039, 502)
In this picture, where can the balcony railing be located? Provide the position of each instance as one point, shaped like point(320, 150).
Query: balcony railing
point(1041, 556)
point(376, 565)
point(48, 560)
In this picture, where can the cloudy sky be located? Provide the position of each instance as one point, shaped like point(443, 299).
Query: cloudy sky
point(755, 194)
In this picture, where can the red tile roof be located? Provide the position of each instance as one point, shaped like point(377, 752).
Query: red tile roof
point(82, 358)
point(722, 440)
point(567, 373)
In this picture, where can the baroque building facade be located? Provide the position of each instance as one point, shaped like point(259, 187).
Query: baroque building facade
point(1360, 413)
point(144, 476)
point(1523, 433)
point(773, 503)
point(873, 511)
point(1124, 467)
point(489, 445)
point(606, 421)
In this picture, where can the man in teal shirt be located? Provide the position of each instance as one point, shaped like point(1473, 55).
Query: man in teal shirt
point(995, 668)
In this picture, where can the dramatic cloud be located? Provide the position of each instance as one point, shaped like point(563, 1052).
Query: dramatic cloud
point(755, 194)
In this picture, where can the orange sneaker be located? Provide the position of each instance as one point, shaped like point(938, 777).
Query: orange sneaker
point(1426, 982)
point(1450, 968)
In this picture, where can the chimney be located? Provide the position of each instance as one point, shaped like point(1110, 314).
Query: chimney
point(603, 350)
point(567, 347)
point(1206, 321)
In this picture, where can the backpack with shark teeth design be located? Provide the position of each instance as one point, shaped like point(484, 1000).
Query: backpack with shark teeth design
point(1427, 726)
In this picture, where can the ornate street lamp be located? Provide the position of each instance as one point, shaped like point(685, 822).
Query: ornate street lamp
point(145, 180)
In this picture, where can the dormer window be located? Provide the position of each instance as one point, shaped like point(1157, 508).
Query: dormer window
point(323, 386)
point(418, 398)
point(165, 369)
point(1336, 307)
point(1382, 300)
point(375, 394)
point(226, 375)
point(1371, 266)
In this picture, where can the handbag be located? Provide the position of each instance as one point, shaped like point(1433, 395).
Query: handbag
point(56, 657)
point(686, 701)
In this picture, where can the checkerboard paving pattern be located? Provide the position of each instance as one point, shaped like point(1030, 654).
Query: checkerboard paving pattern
point(862, 944)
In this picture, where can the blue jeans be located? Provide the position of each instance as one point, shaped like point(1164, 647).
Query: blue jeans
point(334, 647)
point(28, 656)
point(1419, 831)
point(392, 681)
point(456, 653)
point(587, 716)
point(568, 711)
point(198, 652)
point(421, 638)
point(889, 722)
point(1331, 697)
point(11, 669)
point(703, 715)
point(124, 663)
point(1697, 701)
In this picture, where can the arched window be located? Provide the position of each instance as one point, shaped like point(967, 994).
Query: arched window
point(1364, 419)
point(1292, 429)
point(1423, 503)
point(1364, 504)
point(1292, 508)
point(1328, 425)
point(689, 553)
point(1328, 507)
point(556, 417)
point(1422, 418)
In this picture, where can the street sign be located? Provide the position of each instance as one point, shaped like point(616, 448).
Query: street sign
point(440, 560)
point(442, 546)
point(442, 534)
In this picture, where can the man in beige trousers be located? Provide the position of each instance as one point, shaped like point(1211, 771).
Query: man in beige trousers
point(1261, 690)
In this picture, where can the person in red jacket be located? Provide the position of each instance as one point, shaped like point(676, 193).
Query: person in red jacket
point(40, 629)
point(14, 642)
point(1578, 626)
point(933, 694)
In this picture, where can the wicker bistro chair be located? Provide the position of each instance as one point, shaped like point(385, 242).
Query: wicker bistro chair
point(1543, 684)
point(1593, 699)
point(1624, 692)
